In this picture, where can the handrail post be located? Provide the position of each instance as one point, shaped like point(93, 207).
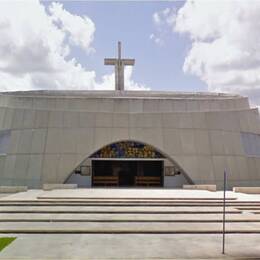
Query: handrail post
point(224, 213)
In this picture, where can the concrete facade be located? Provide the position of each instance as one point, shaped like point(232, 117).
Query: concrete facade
point(45, 135)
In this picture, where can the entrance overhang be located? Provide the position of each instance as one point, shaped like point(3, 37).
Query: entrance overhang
point(170, 167)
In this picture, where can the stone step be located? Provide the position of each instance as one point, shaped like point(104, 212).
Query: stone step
point(134, 228)
point(129, 217)
point(116, 211)
point(98, 201)
point(78, 220)
point(120, 204)
point(123, 204)
point(135, 198)
point(248, 208)
point(129, 221)
point(126, 203)
point(121, 208)
point(110, 209)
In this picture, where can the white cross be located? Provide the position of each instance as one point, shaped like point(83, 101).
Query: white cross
point(119, 68)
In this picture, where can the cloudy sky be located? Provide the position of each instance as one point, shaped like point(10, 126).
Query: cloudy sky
point(180, 46)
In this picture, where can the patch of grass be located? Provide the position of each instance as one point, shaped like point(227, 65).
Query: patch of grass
point(5, 241)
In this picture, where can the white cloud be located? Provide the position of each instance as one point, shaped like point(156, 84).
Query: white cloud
point(130, 84)
point(164, 17)
point(163, 20)
point(108, 81)
point(35, 47)
point(156, 18)
point(225, 51)
point(80, 29)
point(156, 39)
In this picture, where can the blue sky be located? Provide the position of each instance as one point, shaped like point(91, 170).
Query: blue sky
point(158, 67)
point(47, 45)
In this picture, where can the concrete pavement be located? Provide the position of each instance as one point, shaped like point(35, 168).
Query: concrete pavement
point(131, 246)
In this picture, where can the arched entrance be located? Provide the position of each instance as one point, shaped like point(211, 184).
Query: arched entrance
point(127, 173)
point(128, 164)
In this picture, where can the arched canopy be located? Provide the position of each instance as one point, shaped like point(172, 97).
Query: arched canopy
point(131, 149)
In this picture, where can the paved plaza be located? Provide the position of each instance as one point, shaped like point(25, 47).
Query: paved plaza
point(129, 224)
point(131, 246)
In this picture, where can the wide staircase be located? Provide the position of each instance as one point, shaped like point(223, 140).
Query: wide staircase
point(144, 215)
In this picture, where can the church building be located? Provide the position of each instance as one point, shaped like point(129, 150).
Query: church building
point(127, 138)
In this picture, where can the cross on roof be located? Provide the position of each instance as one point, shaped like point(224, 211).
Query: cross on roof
point(119, 68)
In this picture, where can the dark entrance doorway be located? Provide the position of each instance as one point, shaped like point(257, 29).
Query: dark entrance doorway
point(127, 173)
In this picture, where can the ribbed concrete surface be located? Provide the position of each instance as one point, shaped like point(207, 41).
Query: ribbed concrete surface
point(52, 132)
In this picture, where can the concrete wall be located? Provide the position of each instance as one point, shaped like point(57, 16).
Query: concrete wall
point(52, 133)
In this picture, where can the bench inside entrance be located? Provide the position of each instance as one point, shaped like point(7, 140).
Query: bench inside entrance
point(114, 181)
point(127, 173)
point(105, 181)
point(147, 181)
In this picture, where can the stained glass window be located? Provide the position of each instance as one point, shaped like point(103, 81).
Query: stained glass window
point(127, 149)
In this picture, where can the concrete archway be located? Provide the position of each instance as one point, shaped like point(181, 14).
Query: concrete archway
point(159, 155)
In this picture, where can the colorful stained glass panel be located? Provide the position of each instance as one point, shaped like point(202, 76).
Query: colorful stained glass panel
point(127, 149)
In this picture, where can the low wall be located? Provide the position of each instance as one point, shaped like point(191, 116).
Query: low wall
point(53, 186)
point(249, 190)
point(12, 189)
point(209, 187)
